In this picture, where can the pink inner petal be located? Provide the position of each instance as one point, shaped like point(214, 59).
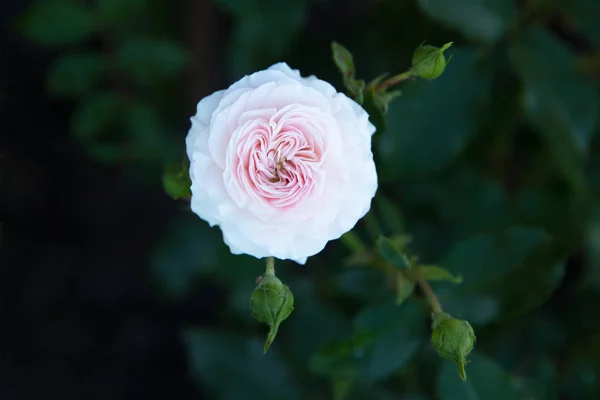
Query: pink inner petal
point(275, 156)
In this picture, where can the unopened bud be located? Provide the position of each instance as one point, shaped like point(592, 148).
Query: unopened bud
point(453, 339)
point(429, 62)
point(271, 302)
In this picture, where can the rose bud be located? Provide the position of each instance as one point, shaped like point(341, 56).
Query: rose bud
point(271, 302)
point(453, 339)
point(429, 62)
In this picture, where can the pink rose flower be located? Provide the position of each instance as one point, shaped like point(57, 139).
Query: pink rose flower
point(281, 163)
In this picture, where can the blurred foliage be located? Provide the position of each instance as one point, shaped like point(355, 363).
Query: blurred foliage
point(117, 68)
point(491, 169)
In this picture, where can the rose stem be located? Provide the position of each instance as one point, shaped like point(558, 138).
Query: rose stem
point(434, 302)
point(393, 80)
point(270, 270)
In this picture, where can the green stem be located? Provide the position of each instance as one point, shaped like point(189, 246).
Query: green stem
point(270, 270)
point(394, 80)
point(434, 302)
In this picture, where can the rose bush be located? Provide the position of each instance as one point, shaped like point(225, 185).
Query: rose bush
point(281, 163)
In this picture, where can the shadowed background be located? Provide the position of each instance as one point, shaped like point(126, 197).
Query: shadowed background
point(109, 289)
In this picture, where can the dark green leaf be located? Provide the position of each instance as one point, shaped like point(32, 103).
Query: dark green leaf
point(74, 75)
point(554, 209)
point(433, 121)
point(504, 274)
point(363, 283)
point(486, 381)
point(146, 132)
point(338, 361)
point(189, 251)
point(541, 383)
point(584, 14)
point(313, 324)
point(390, 215)
point(484, 20)
point(396, 333)
point(57, 22)
point(107, 153)
point(97, 114)
point(393, 253)
point(463, 198)
point(560, 103)
point(436, 273)
point(264, 34)
point(233, 366)
point(150, 62)
point(119, 11)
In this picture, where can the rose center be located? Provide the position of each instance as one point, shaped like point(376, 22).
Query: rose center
point(278, 168)
point(278, 161)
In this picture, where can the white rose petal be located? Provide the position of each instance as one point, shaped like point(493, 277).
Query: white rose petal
point(281, 163)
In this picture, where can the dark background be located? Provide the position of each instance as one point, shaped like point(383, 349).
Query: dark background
point(110, 289)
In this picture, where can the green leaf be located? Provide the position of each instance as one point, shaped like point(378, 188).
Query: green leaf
point(386, 337)
point(338, 361)
point(430, 125)
point(462, 197)
point(559, 102)
point(363, 283)
point(355, 88)
point(553, 208)
point(313, 324)
point(386, 98)
point(74, 75)
point(375, 110)
point(188, 251)
point(57, 22)
point(97, 114)
point(504, 274)
point(485, 20)
point(176, 181)
point(437, 273)
point(396, 334)
point(146, 132)
point(150, 62)
point(219, 359)
point(343, 60)
point(487, 381)
point(404, 288)
point(393, 253)
point(107, 153)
